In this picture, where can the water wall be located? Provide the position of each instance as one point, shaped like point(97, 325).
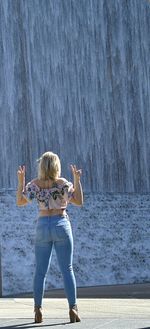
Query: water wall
point(75, 79)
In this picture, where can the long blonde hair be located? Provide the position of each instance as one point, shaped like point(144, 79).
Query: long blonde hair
point(49, 166)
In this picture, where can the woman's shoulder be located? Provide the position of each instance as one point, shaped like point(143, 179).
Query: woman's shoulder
point(61, 181)
point(32, 183)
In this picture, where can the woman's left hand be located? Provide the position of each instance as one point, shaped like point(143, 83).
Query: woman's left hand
point(76, 172)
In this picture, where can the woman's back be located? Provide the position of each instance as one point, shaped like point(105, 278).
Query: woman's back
point(49, 194)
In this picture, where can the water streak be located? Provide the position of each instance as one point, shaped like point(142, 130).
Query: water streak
point(75, 79)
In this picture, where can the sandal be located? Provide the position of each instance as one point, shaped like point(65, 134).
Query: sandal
point(38, 314)
point(73, 314)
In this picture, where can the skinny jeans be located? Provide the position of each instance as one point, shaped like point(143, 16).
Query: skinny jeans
point(54, 232)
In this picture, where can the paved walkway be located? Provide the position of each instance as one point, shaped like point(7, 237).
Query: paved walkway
point(108, 307)
point(16, 313)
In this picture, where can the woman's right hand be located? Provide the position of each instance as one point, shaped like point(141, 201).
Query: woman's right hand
point(21, 176)
point(21, 200)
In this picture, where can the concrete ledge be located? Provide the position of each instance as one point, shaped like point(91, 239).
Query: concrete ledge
point(109, 291)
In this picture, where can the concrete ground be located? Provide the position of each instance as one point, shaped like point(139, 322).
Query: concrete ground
point(96, 313)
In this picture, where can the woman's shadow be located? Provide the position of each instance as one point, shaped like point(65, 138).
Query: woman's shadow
point(30, 325)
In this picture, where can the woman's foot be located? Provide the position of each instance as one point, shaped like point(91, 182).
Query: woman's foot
point(38, 314)
point(73, 314)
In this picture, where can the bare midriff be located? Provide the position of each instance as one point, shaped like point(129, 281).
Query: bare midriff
point(52, 212)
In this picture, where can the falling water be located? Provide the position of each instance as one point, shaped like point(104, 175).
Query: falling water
point(75, 79)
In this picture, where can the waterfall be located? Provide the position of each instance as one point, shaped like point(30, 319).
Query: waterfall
point(75, 79)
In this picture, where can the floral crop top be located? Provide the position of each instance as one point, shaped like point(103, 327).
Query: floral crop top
point(56, 197)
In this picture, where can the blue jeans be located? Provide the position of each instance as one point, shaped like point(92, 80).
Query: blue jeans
point(54, 231)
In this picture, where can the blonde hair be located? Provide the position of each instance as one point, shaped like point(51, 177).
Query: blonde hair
point(49, 166)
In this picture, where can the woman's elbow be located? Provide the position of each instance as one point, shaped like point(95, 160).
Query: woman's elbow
point(21, 202)
point(79, 202)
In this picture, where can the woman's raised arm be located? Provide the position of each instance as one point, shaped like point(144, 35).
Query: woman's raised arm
point(78, 193)
point(20, 199)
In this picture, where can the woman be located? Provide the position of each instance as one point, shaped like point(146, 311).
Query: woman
point(52, 193)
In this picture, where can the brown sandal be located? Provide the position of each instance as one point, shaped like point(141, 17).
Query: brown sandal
point(38, 314)
point(73, 313)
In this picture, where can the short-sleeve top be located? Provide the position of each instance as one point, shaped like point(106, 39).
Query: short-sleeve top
point(56, 197)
